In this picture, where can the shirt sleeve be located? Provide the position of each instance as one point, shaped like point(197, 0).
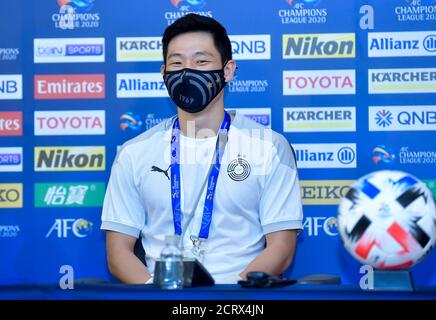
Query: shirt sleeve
point(122, 208)
point(280, 204)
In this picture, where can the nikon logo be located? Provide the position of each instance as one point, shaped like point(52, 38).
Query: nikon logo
point(11, 195)
point(70, 158)
point(327, 45)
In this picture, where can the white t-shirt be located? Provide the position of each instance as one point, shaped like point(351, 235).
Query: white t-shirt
point(257, 193)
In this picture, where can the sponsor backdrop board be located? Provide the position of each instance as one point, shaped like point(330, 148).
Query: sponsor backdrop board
point(351, 84)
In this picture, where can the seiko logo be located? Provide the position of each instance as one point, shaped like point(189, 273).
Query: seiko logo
point(324, 192)
point(11, 195)
point(334, 45)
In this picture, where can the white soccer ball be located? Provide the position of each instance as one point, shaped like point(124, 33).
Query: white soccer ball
point(388, 220)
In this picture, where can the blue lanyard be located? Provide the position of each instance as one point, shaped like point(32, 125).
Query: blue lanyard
point(211, 183)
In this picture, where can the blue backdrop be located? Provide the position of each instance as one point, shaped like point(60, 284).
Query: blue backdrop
point(64, 82)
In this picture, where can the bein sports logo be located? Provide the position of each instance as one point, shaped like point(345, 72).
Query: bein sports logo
point(185, 5)
point(383, 118)
point(62, 228)
point(382, 154)
point(131, 121)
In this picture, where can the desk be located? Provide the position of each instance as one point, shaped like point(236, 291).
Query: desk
point(219, 292)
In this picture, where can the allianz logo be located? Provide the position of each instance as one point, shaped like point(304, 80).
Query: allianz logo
point(140, 85)
point(344, 155)
point(389, 43)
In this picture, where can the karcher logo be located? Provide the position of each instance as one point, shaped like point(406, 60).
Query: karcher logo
point(327, 45)
point(70, 158)
point(324, 192)
point(11, 195)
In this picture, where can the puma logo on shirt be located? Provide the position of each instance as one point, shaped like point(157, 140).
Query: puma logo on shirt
point(165, 172)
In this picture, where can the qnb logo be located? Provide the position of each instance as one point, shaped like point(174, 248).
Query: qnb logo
point(402, 118)
point(346, 155)
point(315, 226)
point(11, 86)
point(383, 118)
point(430, 43)
point(251, 47)
point(63, 228)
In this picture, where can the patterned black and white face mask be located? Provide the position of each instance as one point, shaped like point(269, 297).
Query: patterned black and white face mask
point(192, 90)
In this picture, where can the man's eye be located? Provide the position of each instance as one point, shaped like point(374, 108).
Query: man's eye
point(202, 61)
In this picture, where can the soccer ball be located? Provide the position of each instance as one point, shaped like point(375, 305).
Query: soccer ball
point(388, 220)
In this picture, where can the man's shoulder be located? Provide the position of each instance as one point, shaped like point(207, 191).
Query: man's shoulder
point(257, 130)
point(152, 136)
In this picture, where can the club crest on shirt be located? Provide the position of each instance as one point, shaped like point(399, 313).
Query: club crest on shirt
point(238, 169)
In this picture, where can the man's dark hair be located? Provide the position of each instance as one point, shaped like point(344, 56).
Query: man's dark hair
point(193, 22)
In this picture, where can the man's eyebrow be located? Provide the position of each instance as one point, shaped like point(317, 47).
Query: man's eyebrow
point(203, 53)
point(198, 53)
point(174, 55)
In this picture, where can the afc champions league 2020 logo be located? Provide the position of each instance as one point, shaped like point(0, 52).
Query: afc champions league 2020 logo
point(187, 5)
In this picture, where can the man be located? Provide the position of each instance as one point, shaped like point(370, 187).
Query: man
point(225, 184)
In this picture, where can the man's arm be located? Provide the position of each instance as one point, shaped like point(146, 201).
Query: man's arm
point(278, 254)
point(122, 261)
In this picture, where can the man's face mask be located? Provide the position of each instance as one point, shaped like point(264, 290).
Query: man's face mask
point(192, 90)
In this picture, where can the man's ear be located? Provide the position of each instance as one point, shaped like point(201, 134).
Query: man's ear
point(162, 69)
point(229, 70)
